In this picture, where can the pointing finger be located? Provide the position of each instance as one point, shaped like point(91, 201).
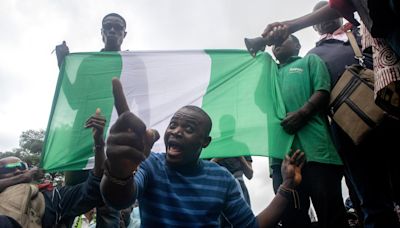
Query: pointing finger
point(98, 111)
point(129, 122)
point(119, 98)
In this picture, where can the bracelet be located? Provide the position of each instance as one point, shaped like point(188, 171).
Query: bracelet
point(290, 194)
point(115, 180)
point(98, 147)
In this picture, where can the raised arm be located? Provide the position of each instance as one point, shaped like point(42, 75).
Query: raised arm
point(128, 144)
point(291, 174)
point(62, 50)
point(277, 32)
point(97, 122)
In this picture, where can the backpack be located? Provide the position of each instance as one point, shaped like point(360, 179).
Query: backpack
point(24, 203)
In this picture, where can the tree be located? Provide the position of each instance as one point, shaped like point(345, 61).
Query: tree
point(32, 141)
point(7, 154)
point(31, 145)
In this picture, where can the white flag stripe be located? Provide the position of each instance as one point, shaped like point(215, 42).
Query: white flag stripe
point(162, 82)
point(174, 79)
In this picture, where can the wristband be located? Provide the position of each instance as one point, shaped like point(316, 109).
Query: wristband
point(98, 147)
point(290, 194)
point(115, 180)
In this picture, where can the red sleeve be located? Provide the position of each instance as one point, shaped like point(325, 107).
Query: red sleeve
point(346, 9)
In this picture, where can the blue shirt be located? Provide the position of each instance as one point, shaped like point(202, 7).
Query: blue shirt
point(190, 198)
point(336, 54)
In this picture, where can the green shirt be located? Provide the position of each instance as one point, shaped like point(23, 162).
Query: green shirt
point(298, 80)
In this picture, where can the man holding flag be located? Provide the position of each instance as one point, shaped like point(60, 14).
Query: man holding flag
point(113, 32)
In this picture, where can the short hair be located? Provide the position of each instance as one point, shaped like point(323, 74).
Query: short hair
point(204, 114)
point(320, 5)
point(295, 39)
point(115, 15)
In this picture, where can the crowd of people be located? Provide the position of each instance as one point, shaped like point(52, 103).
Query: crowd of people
point(130, 186)
point(371, 178)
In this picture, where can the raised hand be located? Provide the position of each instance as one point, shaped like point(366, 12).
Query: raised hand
point(291, 169)
point(62, 50)
point(129, 142)
point(97, 122)
point(276, 33)
point(33, 174)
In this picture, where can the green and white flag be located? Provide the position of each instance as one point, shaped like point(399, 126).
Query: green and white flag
point(240, 94)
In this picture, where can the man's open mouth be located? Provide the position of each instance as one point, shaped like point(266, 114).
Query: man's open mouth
point(174, 149)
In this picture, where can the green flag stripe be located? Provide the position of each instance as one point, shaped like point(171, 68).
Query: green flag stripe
point(237, 100)
point(84, 84)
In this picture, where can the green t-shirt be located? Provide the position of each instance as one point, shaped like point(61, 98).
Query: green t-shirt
point(298, 80)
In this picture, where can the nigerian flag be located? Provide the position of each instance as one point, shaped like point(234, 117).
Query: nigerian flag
point(240, 94)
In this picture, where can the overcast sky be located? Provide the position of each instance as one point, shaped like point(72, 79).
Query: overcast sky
point(31, 29)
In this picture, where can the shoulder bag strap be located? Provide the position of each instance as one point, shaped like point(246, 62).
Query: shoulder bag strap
point(357, 52)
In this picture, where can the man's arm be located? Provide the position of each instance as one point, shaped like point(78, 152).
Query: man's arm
point(128, 144)
point(291, 174)
point(247, 167)
point(27, 177)
point(78, 199)
point(277, 32)
point(294, 121)
point(97, 123)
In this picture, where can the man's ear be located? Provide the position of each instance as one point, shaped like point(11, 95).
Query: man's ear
point(298, 47)
point(102, 35)
point(207, 141)
point(125, 33)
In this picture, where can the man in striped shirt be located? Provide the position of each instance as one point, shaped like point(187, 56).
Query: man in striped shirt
point(176, 188)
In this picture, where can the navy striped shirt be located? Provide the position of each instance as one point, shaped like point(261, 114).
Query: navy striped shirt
point(195, 198)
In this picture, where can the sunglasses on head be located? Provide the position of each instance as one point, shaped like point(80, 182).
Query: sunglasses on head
point(108, 26)
point(12, 167)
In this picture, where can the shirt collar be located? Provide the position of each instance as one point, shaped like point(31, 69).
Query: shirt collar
point(338, 35)
point(290, 60)
point(188, 170)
